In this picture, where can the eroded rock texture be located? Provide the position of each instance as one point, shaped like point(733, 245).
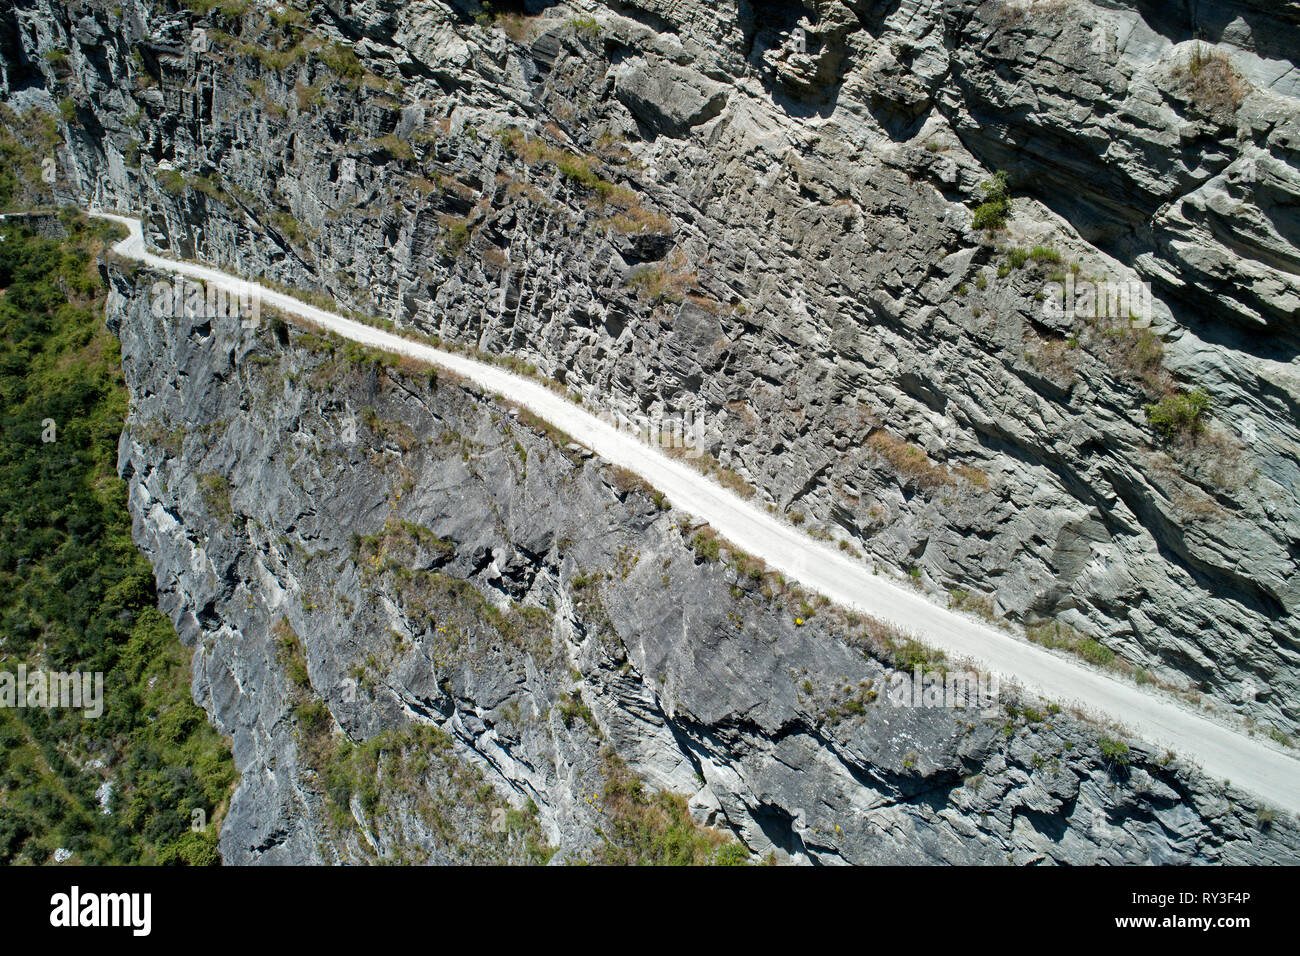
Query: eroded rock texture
point(430, 560)
point(761, 212)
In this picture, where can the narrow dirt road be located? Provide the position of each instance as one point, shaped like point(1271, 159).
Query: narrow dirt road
point(1157, 718)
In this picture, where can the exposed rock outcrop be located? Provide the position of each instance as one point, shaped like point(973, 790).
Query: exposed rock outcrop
point(355, 550)
point(763, 214)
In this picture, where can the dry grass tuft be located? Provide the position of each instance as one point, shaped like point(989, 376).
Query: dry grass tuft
point(1211, 84)
point(909, 460)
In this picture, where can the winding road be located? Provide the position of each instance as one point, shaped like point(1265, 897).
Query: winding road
point(1157, 718)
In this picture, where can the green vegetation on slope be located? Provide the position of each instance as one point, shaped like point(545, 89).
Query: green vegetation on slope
point(1182, 413)
point(655, 829)
point(992, 214)
point(28, 142)
point(79, 596)
point(380, 785)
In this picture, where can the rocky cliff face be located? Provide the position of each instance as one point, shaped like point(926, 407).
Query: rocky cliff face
point(362, 551)
point(761, 214)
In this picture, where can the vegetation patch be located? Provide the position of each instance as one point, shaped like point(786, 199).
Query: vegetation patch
point(28, 142)
point(992, 213)
point(707, 544)
point(572, 707)
point(1208, 80)
point(81, 596)
point(981, 604)
point(341, 60)
point(660, 284)
point(908, 460)
point(1178, 415)
point(393, 147)
point(415, 769)
point(655, 829)
point(585, 26)
point(455, 234)
point(1058, 636)
point(1114, 751)
point(628, 482)
point(907, 654)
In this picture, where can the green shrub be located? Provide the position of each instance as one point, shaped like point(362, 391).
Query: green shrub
point(910, 654)
point(1115, 751)
point(1060, 636)
point(314, 717)
point(1095, 653)
point(1211, 83)
point(396, 148)
point(457, 235)
point(645, 829)
point(992, 213)
point(214, 490)
point(192, 849)
point(707, 546)
point(171, 180)
point(1180, 414)
point(573, 708)
point(585, 26)
point(1141, 353)
point(231, 9)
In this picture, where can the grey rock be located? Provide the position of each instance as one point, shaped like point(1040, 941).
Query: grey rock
point(396, 554)
point(801, 273)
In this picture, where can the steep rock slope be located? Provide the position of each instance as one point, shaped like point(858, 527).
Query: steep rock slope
point(435, 633)
point(761, 215)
